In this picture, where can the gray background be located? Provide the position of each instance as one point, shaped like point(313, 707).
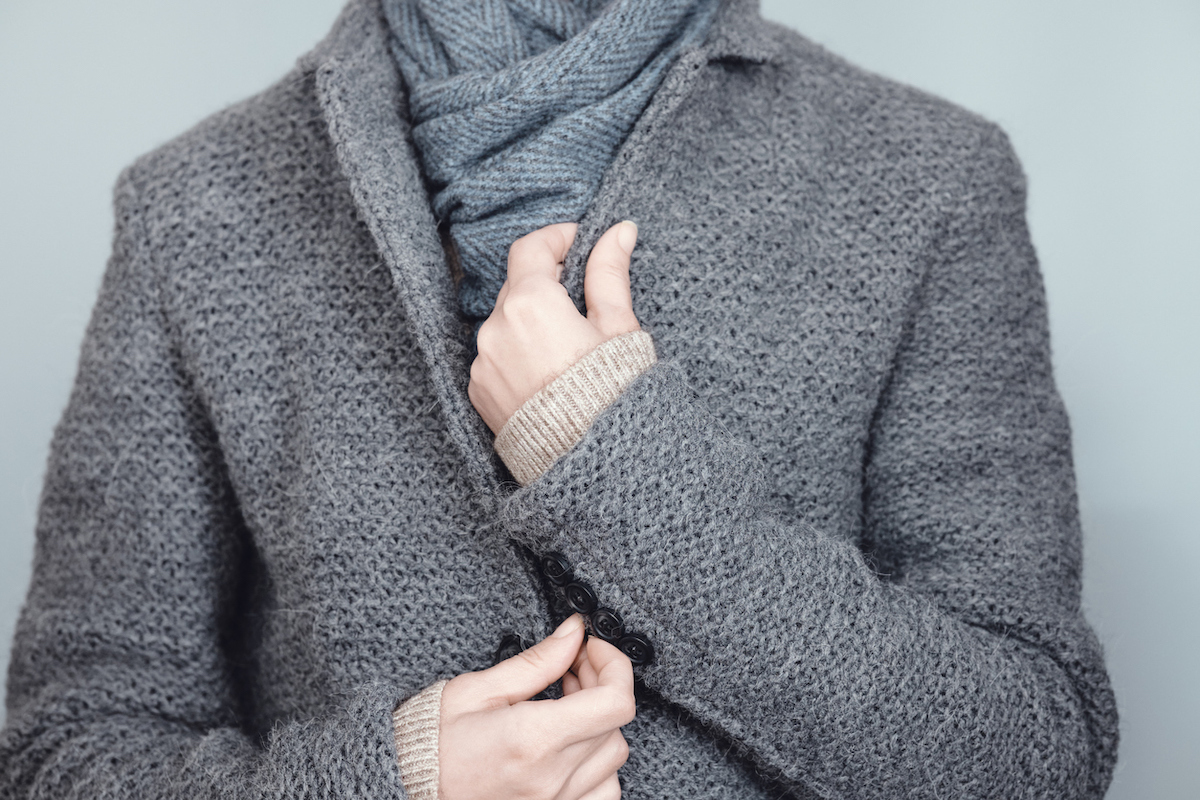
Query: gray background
point(1101, 99)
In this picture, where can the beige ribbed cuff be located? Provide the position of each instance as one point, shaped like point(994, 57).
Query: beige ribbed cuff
point(554, 420)
point(416, 722)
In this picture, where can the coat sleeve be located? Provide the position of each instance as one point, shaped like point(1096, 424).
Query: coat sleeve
point(955, 661)
point(124, 674)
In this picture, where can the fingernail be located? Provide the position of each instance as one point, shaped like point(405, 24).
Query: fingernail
point(568, 627)
point(627, 236)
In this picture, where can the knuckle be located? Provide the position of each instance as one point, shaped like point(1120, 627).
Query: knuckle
point(534, 657)
point(523, 750)
point(619, 706)
point(523, 249)
point(628, 709)
point(620, 749)
point(534, 784)
point(458, 692)
point(484, 339)
point(521, 306)
point(615, 270)
point(613, 280)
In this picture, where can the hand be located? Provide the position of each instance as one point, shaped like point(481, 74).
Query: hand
point(495, 742)
point(535, 332)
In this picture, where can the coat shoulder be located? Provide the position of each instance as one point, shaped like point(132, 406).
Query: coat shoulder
point(873, 115)
point(244, 157)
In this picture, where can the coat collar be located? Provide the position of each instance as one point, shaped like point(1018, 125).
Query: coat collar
point(362, 97)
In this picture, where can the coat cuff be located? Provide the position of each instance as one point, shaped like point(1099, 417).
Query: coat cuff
point(554, 420)
point(416, 722)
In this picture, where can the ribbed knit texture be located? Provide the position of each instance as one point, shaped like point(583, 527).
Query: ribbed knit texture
point(551, 422)
point(418, 722)
point(520, 105)
point(841, 504)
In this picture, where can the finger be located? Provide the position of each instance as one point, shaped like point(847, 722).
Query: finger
point(539, 253)
point(612, 667)
point(532, 670)
point(582, 675)
point(599, 768)
point(609, 790)
point(583, 668)
point(606, 706)
point(606, 281)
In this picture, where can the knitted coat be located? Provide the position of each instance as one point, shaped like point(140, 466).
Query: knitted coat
point(840, 506)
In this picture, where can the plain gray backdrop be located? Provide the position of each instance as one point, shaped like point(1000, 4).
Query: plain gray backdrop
point(1101, 100)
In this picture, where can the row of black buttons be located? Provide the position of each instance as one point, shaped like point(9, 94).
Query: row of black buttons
point(602, 622)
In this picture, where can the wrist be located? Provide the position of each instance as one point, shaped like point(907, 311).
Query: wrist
point(553, 421)
point(416, 725)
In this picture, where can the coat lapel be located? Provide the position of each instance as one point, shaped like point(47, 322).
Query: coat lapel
point(360, 92)
point(738, 33)
point(363, 100)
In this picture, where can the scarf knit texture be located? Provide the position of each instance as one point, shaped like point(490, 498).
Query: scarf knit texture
point(519, 106)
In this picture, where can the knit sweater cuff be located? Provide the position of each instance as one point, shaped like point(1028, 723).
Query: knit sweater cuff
point(416, 722)
point(554, 420)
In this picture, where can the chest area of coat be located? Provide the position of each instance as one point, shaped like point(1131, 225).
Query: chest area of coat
point(779, 278)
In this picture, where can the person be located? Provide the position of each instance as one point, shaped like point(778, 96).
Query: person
point(564, 400)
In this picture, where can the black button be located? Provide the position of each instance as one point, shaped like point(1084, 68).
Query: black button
point(510, 645)
point(581, 598)
point(557, 569)
point(637, 648)
point(608, 624)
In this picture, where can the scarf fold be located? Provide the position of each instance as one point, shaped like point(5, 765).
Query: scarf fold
point(519, 106)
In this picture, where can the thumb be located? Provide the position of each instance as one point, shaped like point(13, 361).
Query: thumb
point(532, 670)
point(606, 282)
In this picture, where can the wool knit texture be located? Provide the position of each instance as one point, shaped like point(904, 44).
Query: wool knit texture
point(550, 423)
point(518, 107)
point(840, 505)
point(417, 723)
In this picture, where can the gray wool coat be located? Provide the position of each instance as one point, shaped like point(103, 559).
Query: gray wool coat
point(841, 506)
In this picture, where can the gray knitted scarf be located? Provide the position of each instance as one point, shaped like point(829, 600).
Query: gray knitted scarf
point(518, 107)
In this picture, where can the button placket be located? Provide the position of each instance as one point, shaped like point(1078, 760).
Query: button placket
point(602, 622)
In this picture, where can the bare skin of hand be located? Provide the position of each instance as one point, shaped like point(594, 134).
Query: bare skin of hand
point(535, 332)
point(495, 742)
